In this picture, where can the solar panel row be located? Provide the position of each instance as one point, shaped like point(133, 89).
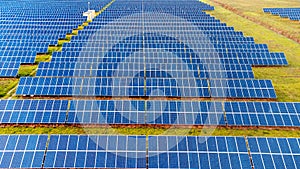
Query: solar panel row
point(175, 70)
point(291, 13)
point(136, 46)
point(138, 86)
point(149, 112)
point(116, 151)
point(153, 56)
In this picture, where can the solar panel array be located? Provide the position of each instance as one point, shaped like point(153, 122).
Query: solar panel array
point(291, 13)
point(125, 51)
point(29, 27)
point(138, 49)
point(103, 112)
point(116, 151)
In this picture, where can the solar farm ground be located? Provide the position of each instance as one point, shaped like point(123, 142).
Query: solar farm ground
point(281, 35)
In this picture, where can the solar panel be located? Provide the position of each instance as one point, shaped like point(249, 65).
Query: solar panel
point(9, 69)
point(127, 69)
point(22, 151)
point(106, 112)
point(242, 88)
point(184, 113)
point(33, 111)
point(92, 151)
point(116, 151)
point(81, 86)
point(275, 152)
point(197, 152)
point(262, 113)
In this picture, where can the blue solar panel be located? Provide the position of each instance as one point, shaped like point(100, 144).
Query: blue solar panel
point(33, 111)
point(180, 70)
point(242, 88)
point(92, 151)
point(9, 69)
point(274, 152)
point(291, 13)
point(106, 112)
point(22, 151)
point(262, 113)
point(184, 113)
point(197, 152)
point(81, 86)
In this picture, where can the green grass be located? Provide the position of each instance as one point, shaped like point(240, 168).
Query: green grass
point(6, 85)
point(27, 70)
point(151, 131)
point(286, 80)
point(42, 58)
point(85, 24)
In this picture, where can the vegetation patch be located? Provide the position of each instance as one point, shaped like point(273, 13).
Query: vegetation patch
point(27, 70)
point(151, 131)
point(42, 58)
point(6, 84)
